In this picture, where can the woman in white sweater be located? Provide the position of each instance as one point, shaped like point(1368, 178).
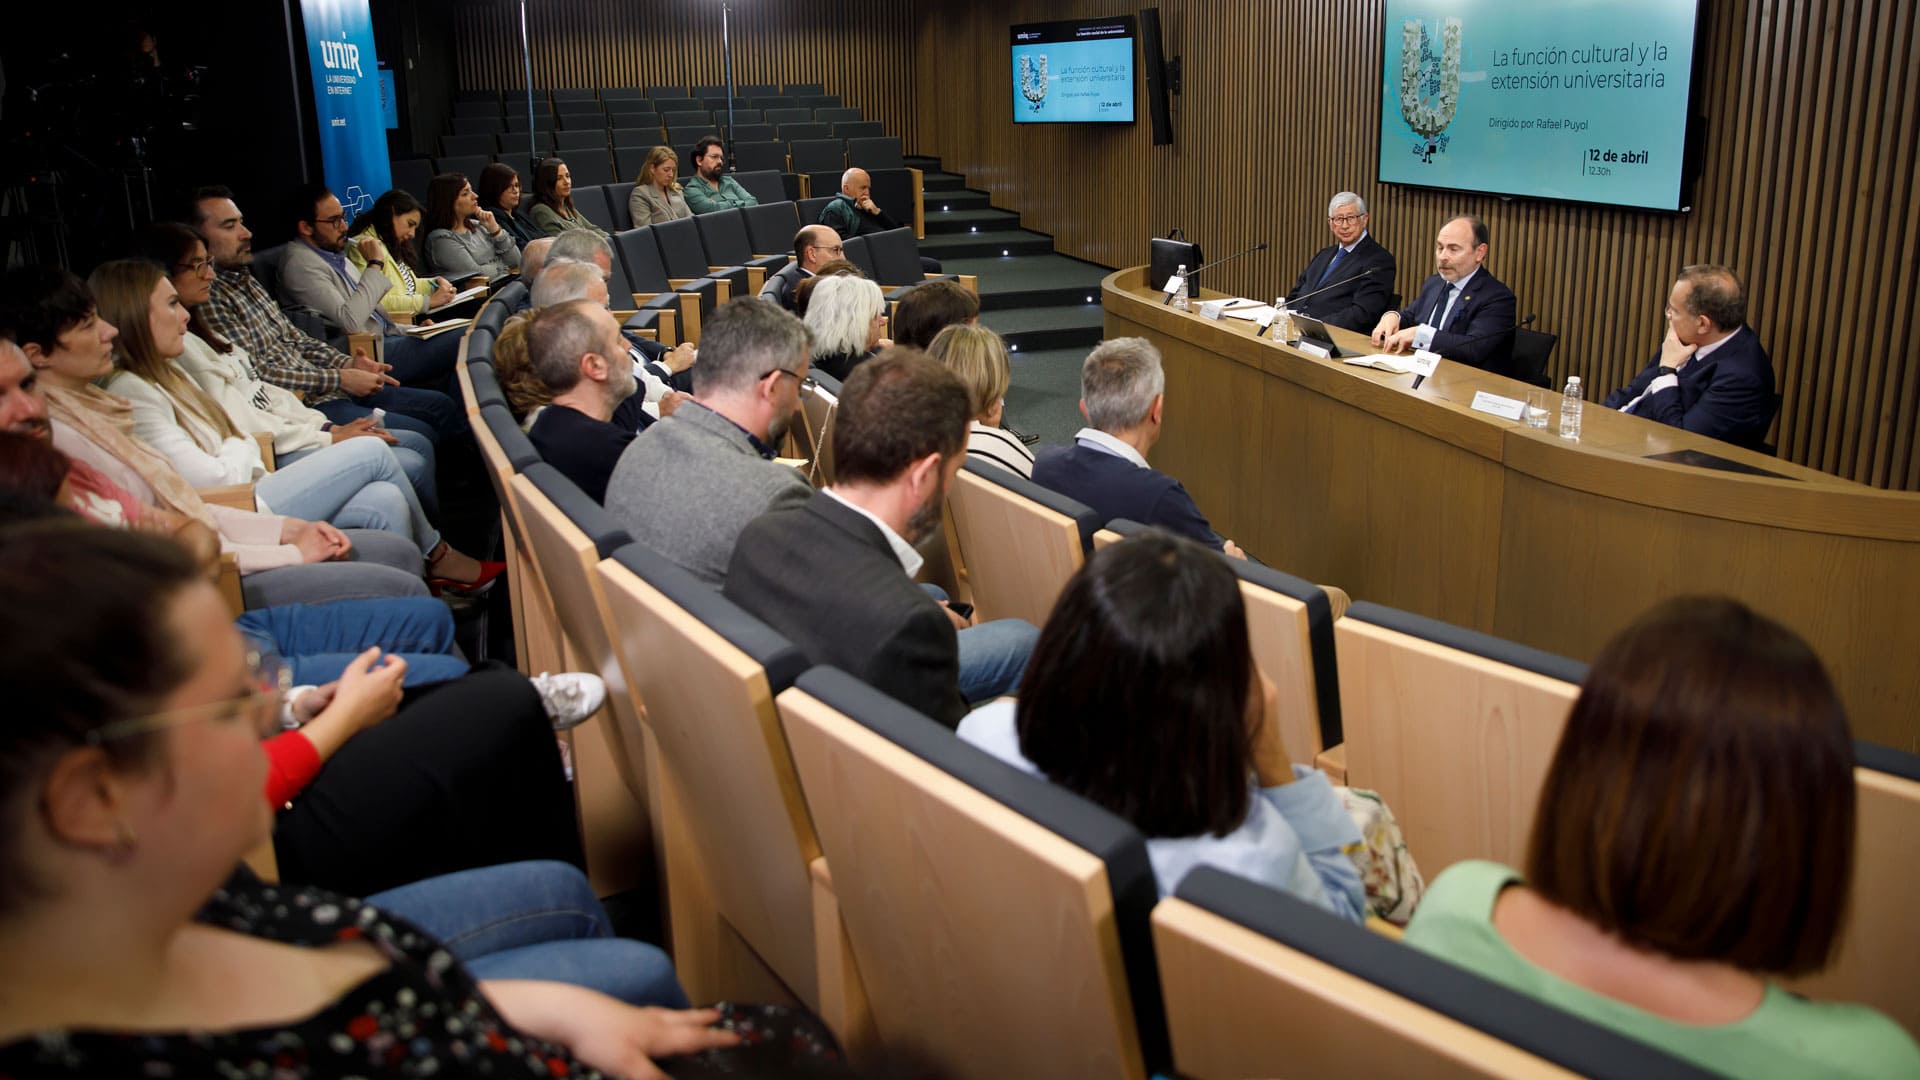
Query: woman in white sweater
point(353, 484)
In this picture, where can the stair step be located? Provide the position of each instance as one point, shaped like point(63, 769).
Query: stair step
point(1032, 281)
point(987, 244)
point(971, 221)
point(955, 200)
point(923, 162)
point(1027, 329)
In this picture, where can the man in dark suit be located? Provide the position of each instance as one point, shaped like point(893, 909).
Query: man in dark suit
point(1461, 308)
point(1123, 396)
point(1351, 297)
point(835, 575)
point(813, 245)
point(1712, 375)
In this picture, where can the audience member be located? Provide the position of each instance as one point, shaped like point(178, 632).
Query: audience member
point(392, 223)
point(848, 319)
point(853, 213)
point(133, 787)
point(803, 290)
point(501, 196)
point(656, 194)
point(1123, 397)
point(662, 371)
point(526, 395)
point(979, 357)
point(281, 560)
point(753, 359)
point(710, 188)
point(255, 406)
point(930, 307)
point(834, 575)
point(553, 211)
point(1143, 673)
point(464, 242)
point(812, 246)
point(1343, 296)
point(533, 259)
point(1712, 376)
point(317, 273)
point(239, 310)
point(577, 351)
point(1694, 842)
point(1460, 310)
point(356, 484)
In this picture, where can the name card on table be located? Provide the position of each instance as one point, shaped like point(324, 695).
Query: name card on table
point(1424, 361)
point(1311, 349)
point(1174, 284)
point(1504, 407)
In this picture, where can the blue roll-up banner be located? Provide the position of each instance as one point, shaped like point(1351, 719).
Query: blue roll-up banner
point(346, 100)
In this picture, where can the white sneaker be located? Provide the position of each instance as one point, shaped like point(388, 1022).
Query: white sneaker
point(570, 696)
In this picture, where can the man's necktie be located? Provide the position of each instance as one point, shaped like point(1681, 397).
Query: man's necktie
point(1338, 254)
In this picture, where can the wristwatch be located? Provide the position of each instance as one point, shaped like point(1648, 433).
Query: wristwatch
point(381, 263)
point(1665, 370)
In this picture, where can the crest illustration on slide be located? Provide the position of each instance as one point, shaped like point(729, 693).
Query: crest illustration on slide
point(1033, 80)
point(1429, 83)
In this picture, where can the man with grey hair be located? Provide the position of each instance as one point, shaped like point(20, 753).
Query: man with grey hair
point(813, 246)
point(1123, 397)
point(753, 358)
point(1352, 278)
point(533, 259)
point(661, 371)
point(1711, 376)
point(854, 213)
point(575, 348)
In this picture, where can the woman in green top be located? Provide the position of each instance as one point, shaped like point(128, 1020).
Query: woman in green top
point(1694, 840)
point(553, 210)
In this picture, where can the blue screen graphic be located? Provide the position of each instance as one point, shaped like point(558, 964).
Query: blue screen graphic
point(1073, 72)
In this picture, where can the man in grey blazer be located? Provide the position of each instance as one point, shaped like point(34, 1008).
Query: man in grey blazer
point(688, 485)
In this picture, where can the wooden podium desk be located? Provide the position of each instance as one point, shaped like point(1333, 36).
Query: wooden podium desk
point(1348, 476)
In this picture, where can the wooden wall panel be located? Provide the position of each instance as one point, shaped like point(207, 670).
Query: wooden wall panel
point(1807, 188)
point(861, 49)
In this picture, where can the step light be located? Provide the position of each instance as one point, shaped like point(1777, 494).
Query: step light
point(1004, 253)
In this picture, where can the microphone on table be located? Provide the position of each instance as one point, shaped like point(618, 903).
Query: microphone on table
point(1261, 246)
point(1368, 272)
point(1528, 321)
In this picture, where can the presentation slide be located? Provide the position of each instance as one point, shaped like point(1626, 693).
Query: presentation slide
point(1583, 100)
point(1073, 72)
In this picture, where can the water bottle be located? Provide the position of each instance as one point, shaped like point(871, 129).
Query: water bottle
point(1185, 290)
point(1570, 409)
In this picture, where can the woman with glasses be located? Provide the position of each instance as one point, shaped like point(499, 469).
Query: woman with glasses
point(131, 775)
point(464, 242)
point(502, 196)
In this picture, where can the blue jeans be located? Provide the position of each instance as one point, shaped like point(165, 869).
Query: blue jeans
point(437, 414)
point(534, 920)
point(319, 640)
point(356, 484)
point(414, 451)
point(422, 362)
point(993, 655)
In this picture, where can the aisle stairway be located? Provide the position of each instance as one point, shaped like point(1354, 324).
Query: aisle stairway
point(1045, 304)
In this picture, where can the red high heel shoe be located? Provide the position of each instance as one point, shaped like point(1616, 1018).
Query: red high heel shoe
point(488, 572)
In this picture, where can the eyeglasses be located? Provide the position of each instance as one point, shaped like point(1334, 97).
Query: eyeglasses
point(837, 249)
point(803, 380)
point(267, 673)
point(337, 219)
point(1346, 219)
point(192, 266)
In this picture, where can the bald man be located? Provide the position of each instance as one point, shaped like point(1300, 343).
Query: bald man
point(813, 246)
point(853, 213)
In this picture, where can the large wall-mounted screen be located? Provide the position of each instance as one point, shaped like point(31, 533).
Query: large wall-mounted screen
point(1078, 72)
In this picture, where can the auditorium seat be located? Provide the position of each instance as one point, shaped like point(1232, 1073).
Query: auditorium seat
point(1531, 348)
point(466, 145)
point(477, 95)
point(839, 114)
point(594, 139)
point(590, 167)
point(686, 257)
point(487, 109)
point(634, 121)
point(718, 90)
point(1290, 627)
point(854, 249)
point(752, 131)
point(506, 450)
point(723, 234)
point(877, 153)
point(749, 90)
point(741, 114)
point(687, 135)
point(772, 101)
point(582, 122)
point(653, 290)
point(812, 430)
point(635, 138)
point(664, 106)
point(629, 160)
point(1019, 541)
point(810, 208)
point(467, 165)
point(807, 130)
point(999, 924)
point(620, 204)
point(609, 95)
point(667, 91)
point(817, 155)
point(572, 93)
point(897, 191)
point(493, 315)
point(478, 125)
point(817, 101)
point(413, 176)
point(570, 534)
point(791, 115)
point(858, 129)
point(480, 376)
point(759, 156)
point(591, 201)
point(896, 259)
point(541, 122)
point(1432, 712)
point(797, 89)
point(513, 144)
point(1259, 983)
point(740, 848)
point(765, 185)
point(771, 225)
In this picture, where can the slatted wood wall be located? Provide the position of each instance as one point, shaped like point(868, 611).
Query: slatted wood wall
point(1807, 187)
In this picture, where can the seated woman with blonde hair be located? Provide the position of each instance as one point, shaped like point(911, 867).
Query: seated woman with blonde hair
point(979, 357)
point(656, 194)
point(1694, 842)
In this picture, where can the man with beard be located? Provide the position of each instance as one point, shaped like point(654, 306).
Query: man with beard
point(576, 349)
point(1123, 396)
point(705, 470)
point(1461, 310)
point(835, 576)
